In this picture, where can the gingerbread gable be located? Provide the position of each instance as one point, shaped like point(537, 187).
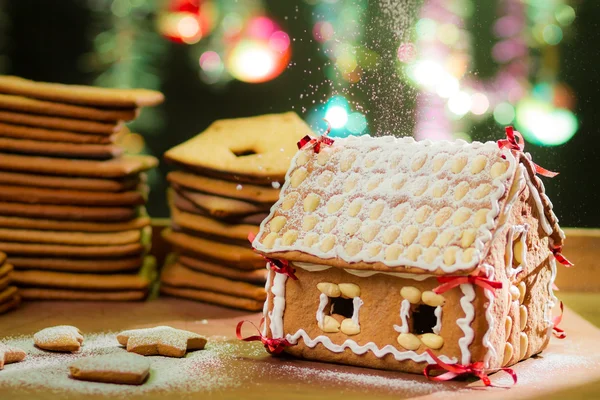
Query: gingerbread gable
point(394, 204)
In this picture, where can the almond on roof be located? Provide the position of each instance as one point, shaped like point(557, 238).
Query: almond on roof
point(395, 204)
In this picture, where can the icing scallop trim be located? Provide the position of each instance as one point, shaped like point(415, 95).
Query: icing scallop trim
point(362, 349)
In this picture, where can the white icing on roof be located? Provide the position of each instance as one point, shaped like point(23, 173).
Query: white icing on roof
point(391, 200)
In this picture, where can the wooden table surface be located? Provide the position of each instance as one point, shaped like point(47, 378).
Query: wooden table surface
point(555, 375)
point(213, 320)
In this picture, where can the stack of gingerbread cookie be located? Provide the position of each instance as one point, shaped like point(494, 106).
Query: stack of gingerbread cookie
point(229, 179)
point(72, 218)
point(9, 295)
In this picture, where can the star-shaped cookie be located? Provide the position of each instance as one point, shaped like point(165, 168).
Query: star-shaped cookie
point(63, 338)
point(161, 340)
point(10, 355)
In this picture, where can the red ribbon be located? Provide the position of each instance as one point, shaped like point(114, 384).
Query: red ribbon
point(308, 141)
point(511, 143)
point(449, 282)
point(556, 250)
point(272, 345)
point(559, 332)
point(279, 266)
point(454, 370)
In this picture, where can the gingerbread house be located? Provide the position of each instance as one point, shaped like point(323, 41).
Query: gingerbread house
point(394, 253)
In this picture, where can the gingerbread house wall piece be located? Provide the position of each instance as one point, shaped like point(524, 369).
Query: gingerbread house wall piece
point(375, 226)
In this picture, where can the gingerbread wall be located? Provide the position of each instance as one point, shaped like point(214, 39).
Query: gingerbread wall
point(519, 310)
point(380, 311)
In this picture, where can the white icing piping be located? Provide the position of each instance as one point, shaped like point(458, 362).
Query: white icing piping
point(465, 323)
point(491, 351)
point(276, 315)
point(358, 349)
point(360, 272)
point(339, 251)
point(438, 324)
point(323, 301)
point(356, 303)
point(538, 202)
point(552, 300)
point(266, 305)
point(404, 309)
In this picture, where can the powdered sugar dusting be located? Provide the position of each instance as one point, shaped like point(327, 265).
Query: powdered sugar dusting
point(202, 370)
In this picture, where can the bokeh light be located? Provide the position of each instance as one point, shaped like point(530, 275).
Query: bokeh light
point(357, 123)
point(564, 14)
point(552, 34)
point(211, 66)
point(504, 113)
point(262, 54)
point(479, 104)
point(542, 124)
point(460, 104)
point(337, 116)
point(187, 21)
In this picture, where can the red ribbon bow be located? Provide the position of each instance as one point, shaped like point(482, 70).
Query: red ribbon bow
point(559, 332)
point(273, 346)
point(454, 370)
point(308, 141)
point(449, 282)
point(280, 266)
point(511, 143)
point(556, 250)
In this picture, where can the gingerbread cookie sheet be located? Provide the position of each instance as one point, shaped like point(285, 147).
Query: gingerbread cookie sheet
point(177, 275)
point(50, 135)
point(29, 195)
point(69, 213)
point(41, 107)
point(70, 183)
point(223, 188)
point(257, 276)
point(254, 150)
point(95, 266)
point(72, 226)
point(236, 256)
point(220, 207)
point(72, 215)
point(115, 168)
point(51, 285)
point(58, 149)
point(76, 94)
point(59, 123)
point(212, 227)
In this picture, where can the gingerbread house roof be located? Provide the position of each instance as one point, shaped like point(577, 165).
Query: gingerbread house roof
point(395, 204)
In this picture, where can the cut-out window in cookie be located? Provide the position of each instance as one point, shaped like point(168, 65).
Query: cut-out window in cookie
point(244, 152)
point(339, 305)
point(421, 319)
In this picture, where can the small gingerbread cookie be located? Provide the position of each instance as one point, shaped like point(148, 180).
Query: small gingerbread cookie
point(63, 338)
point(123, 368)
point(10, 355)
point(161, 340)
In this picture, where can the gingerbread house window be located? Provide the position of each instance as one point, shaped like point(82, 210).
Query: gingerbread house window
point(424, 319)
point(339, 306)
